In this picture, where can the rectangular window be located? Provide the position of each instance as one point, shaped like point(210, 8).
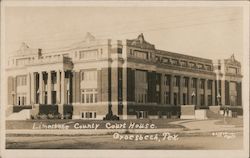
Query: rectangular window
point(232, 70)
point(141, 87)
point(22, 80)
point(174, 61)
point(89, 96)
point(209, 84)
point(184, 63)
point(141, 54)
point(193, 83)
point(200, 66)
point(202, 84)
point(119, 50)
point(185, 82)
point(88, 54)
point(192, 65)
point(89, 75)
point(165, 60)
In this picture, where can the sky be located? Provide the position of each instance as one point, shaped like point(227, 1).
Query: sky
point(208, 32)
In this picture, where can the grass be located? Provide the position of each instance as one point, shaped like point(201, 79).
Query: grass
point(237, 122)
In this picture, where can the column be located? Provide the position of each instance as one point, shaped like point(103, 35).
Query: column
point(28, 87)
point(32, 89)
point(198, 91)
point(40, 87)
point(63, 88)
point(162, 88)
point(181, 90)
point(222, 92)
point(213, 92)
point(171, 89)
point(189, 91)
point(205, 92)
point(58, 86)
point(49, 87)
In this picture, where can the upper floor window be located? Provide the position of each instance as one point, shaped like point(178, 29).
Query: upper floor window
point(88, 54)
point(208, 67)
point(119, 50)
point(200, 66)
point(89, 75)
point(21, 80)
point(166, 80)
point(192, 65)
point(209, 84)
point(202, 84)
point(232, 70)
point(20, 62)
point(184, 63)
point(185, 82)
point(165, 60)
point(193, 83)
point(174, 61)
point(140, 54)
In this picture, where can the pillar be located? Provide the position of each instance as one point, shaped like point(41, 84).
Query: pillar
point(222, 92)
point(213, 92)
point(189, 91)
point(32, 89)
point(49, 87)
point(198, 91)
point(171, 89)
point(181, 90)
point(63, 88)
point(29, 90)
point(40, 87)
point(162, 88)
point(58, 86)
point(205, 92)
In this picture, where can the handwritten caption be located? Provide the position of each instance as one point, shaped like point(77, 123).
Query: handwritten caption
point(226, 135)
point(108, 125)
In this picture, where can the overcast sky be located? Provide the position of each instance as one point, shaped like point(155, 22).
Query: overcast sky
point(209, 32)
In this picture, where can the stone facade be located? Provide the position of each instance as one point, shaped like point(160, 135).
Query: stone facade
point(131, 78)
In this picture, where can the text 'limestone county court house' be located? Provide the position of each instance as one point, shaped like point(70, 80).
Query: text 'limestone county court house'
point(131, 78)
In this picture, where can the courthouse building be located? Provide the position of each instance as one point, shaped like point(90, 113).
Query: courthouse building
point(131, 78)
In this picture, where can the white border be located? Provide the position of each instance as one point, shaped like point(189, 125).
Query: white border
point(131, 153)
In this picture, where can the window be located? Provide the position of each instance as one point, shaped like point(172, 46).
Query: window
point(166, 80)
point(193, 83)
point(184, 63)
point(174, 61)
point(165, 60)
point(202, 84)
point(88, 115)
point(88, 54)
point(232, 86)
point(176, 81)
point(21, 99)
point(119, 50)
point(185, 82)
point(166, 98)
point(140, 54)
point(89, 75)
point(192, 65)
point(208, 67)
point(141, 87)
point(89, 96)
point(200, 66)
point(209, 84)
point(21, 80)
point(232, 70)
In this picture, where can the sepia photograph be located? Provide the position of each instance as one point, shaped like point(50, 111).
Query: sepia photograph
point(124, 77)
